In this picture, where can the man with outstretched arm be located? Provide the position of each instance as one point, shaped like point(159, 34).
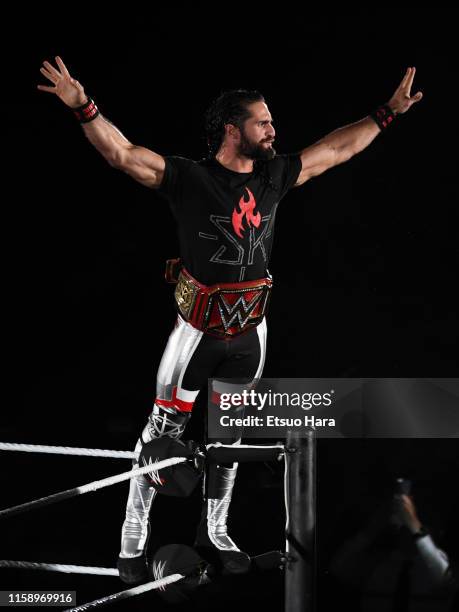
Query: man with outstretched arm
point(225, 208)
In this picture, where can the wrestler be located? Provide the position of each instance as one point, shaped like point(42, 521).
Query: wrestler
point(225, 208)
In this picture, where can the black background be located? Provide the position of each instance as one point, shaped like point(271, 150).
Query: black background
point(365, 257)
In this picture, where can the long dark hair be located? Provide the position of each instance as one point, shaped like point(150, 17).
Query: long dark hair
point(230, 107)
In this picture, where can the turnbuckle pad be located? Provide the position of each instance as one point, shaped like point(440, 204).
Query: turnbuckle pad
point(179, 559)
point(177, 480)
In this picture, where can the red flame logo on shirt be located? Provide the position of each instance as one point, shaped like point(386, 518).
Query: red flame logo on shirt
point(247, 209)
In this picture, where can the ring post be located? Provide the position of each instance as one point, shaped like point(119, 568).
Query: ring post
point(300, 496)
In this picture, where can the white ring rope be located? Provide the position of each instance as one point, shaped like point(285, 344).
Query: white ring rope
point(67, 450)
point(92, 486)
point(280, 447)
point(97, 452)
point(143, 588)
point(56, 567)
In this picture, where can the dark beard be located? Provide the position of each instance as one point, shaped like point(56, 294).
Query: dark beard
point(255, 151)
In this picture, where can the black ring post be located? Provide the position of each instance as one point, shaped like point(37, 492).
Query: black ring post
point(300, 484)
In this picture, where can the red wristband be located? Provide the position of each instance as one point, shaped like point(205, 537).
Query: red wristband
point(87, 112)
point(383, 116)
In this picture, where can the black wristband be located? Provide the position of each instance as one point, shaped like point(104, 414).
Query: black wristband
point(421, 533)
point(87, 112)
point(383, 116)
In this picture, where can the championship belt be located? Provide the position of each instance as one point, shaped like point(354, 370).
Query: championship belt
point(225, 309)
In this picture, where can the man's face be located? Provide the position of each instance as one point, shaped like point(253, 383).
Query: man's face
point(257, 133)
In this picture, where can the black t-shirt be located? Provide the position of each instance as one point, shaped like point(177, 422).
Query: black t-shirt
point(225, 218)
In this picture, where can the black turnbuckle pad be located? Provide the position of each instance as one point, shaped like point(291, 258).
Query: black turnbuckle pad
point(179, 559)
point(177, 480)
point(269, 560)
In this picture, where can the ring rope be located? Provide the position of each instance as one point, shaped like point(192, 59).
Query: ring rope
point(143, 588)
point(280, 447)
point(67, 450)
point(56, 567)
point(92, 486)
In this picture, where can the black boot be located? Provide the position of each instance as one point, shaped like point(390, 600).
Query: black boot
point(133, 570)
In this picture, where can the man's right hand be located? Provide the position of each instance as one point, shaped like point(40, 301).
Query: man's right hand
point(145, 166)
point(69, 90)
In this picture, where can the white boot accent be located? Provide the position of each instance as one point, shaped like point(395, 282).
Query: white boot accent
point(217, 511)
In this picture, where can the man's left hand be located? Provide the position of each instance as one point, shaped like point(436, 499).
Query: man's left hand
point(402, 100)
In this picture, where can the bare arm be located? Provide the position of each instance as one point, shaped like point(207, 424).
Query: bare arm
point(343, 143)
point(143, 165)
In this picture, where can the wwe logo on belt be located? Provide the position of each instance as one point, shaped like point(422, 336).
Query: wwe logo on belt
point(247, 209)
point(240, 310)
